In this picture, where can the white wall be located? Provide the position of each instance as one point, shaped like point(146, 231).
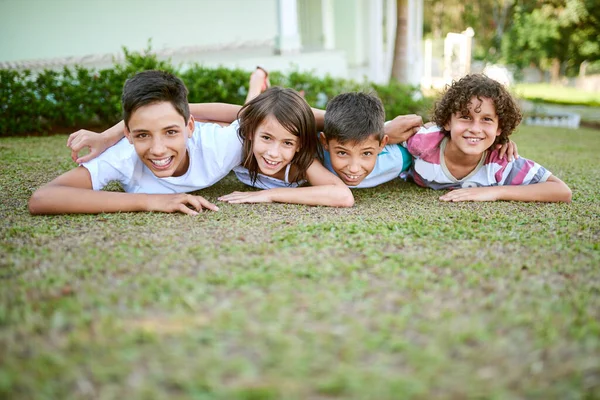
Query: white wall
point(38, 29)
point(351, 30)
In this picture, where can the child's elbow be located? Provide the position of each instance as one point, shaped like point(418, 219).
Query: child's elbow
point(567, 195)
point(35, 203)
point(565, 192)
point(346, 199)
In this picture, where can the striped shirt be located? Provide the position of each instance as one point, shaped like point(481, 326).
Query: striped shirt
point(430, 170)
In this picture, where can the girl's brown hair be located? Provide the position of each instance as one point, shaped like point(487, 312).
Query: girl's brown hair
point(294, 114)
point(457, 97)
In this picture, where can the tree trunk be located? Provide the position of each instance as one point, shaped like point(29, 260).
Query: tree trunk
point(399, 62)
point(436, 23)
point(582, 67)
point(555, 71)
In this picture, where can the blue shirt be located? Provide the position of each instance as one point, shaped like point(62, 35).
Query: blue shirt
point(393, 160)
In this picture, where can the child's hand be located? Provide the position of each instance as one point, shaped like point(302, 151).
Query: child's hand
point(82, 139)
point(509, 149)
point(180, 202)
point(401, 128)
point(472, 194)
point(247, 197)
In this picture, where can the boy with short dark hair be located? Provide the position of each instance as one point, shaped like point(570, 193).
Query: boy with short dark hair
point(164, 155)
point(356, 143)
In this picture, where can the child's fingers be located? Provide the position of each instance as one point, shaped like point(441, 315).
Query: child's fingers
point(502, 150)
point(202, 202)
point(510, 151)
point(515, 150)
point(455, 195)
point(417, 120)
point(454, 199)
point(194, 202)
point(231, 199)
point(186, 210)
point(445, 197)
point(72, 137)
point(76, 138)
point(231, 196)
point(93, 154)
point(78, 144)
point(505, 151)
point(412, 120)
point(237, 201)
point(471, 194)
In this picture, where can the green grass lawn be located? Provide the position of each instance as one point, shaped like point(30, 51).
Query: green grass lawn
point(401, 296)
point(557, 94)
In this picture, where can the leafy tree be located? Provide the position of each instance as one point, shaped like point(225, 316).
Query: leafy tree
point(556, 35)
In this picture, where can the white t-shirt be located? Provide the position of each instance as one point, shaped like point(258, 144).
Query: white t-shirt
point(213, 152)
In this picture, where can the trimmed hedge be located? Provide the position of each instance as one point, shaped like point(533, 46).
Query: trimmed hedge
point(61, 101)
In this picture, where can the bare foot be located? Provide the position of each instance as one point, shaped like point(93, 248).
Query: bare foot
point(259, 82)
point(260, 78)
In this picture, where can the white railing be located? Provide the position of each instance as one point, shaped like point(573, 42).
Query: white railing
point(565, 120)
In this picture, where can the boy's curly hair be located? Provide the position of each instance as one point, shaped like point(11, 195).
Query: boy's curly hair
point(457, 97)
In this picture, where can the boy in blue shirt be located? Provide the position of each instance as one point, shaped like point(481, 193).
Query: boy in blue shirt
point(357, 148)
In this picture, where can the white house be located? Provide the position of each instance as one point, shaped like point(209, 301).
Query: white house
point(343, 38)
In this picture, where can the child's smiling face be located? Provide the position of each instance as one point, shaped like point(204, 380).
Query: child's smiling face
point(473, 133)
point(352, 161)
point(274, 147)
point(159, 134)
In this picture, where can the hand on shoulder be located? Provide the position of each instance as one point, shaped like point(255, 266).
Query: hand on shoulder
point(401, 128)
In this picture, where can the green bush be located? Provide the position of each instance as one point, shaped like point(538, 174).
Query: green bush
point(399, 99)
point(19, 101)
point(84, 98)
point(219, 85)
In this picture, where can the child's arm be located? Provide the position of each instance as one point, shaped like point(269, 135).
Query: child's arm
point(72, 193)
point(217, 112)
point(326, 190)
point(553, 190)
point(319, 118)
point(401, 128)
point(98, 142)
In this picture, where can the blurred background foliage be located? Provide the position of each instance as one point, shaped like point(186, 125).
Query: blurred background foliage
point(557, 36)
point(60, 101)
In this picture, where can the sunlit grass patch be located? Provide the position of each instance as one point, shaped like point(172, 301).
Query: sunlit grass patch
point(557, 94)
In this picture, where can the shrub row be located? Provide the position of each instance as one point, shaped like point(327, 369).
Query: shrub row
point(61, 101)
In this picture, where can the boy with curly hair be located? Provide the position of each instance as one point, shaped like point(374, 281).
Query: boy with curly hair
point(473, 115)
